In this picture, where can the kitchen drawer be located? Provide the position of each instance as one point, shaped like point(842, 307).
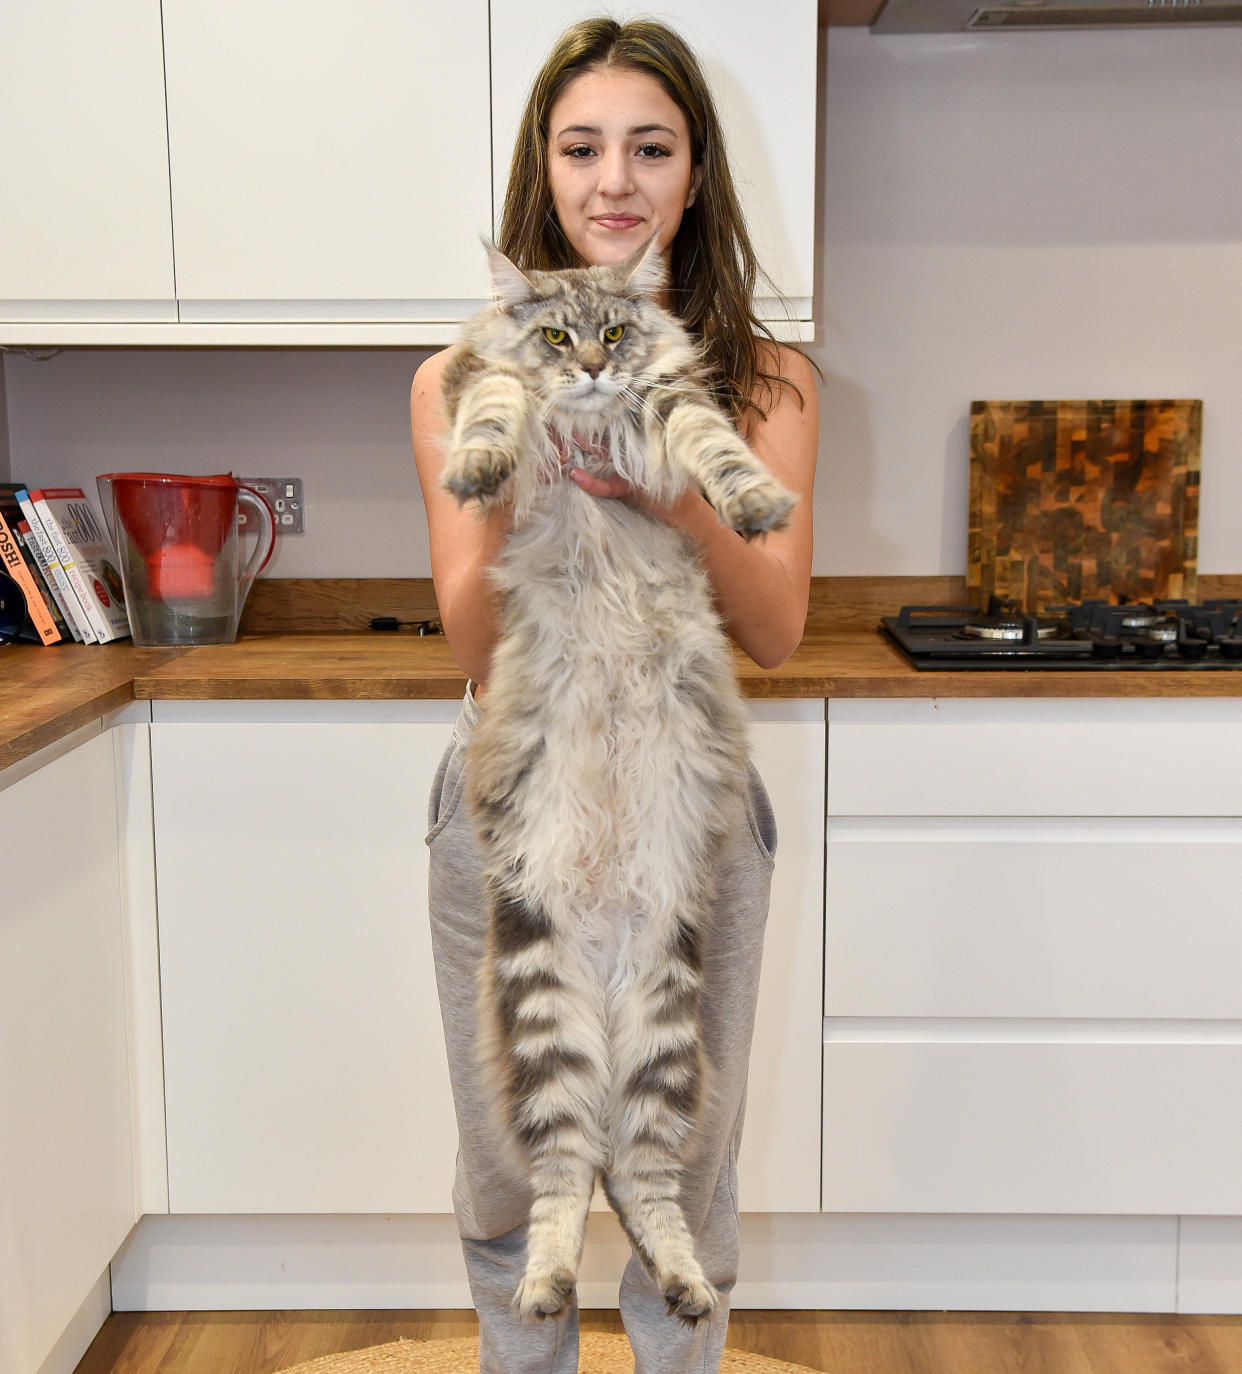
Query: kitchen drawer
point(1033, 917)
point(1090, 1125)
point(1035, 758)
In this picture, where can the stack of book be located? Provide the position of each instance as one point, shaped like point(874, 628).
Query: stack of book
point(55, 553)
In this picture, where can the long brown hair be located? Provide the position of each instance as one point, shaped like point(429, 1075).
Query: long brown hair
point(712, 265)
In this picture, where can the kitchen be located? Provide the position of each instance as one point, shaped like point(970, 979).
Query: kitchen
point(1038, 215)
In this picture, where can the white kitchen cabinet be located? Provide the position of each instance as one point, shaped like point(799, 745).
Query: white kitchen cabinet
point(66, 1163)
point(1100, 1120)
point(1063, 917)
point(763, 76)
point(303, 1053)
point(1031, 1001)
point(85, 234)
point(329, 162)
point(293, 172)
point(779, 1167)
point(303, 1056)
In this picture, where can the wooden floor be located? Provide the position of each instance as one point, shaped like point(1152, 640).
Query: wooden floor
point(840, 1342)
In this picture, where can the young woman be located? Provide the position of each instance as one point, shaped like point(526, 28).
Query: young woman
point(620, 140)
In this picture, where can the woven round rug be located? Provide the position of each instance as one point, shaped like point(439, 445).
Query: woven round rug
point(599, 1352)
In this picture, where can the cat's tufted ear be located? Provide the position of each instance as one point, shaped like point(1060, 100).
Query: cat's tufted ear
point(645, 272)
point(509, 285)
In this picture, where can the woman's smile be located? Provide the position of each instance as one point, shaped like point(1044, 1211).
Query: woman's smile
point(617, 222)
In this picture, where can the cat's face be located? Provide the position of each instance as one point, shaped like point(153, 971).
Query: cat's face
point(583, 337)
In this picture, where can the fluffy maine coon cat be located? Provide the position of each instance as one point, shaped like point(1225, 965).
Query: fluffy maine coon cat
point(610, 756)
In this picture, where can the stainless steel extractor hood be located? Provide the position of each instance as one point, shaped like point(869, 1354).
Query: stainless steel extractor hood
point(978, 16)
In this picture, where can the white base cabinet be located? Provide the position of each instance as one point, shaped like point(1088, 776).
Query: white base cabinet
point(304, 1058)
point(66, 1161)
point(303, 1055)
point(1031, 955)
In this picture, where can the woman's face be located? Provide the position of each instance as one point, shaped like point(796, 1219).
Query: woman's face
point(619, 163)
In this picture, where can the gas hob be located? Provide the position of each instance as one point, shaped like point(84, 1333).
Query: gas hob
point(1173, 636)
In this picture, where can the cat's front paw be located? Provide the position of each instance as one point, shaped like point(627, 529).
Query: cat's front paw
point(756, 505)
point(544, 1295)
point(689, 1297)
point(476, 471)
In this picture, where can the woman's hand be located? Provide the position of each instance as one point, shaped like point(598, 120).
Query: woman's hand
point(612, 488)
point(594, 484)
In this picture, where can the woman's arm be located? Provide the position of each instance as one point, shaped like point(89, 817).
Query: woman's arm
point(463, 545)
point(762, 588)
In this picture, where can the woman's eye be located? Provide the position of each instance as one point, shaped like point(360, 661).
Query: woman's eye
point(555, 336)
point(655, 150)
point(578, 150)
point(614, 332)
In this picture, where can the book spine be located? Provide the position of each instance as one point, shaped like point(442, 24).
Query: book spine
point(100, 628)
point(43, 575)
point(17, 568)
point(69, 603)
point(35, 543)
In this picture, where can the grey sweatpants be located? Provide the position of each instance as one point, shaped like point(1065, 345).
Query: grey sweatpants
point(492, 1201)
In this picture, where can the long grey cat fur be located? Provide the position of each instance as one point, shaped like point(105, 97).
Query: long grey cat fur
point(610, 756)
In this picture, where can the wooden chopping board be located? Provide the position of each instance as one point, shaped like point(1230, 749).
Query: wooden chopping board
point(1074, 500)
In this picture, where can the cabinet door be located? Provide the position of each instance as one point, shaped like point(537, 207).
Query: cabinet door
point(304, 1058)
point(1116, 1120)
point(779, 1167)
point(85, 233)
point(66, 1166)
point(1036, 917)
point(329, 162)
point(763, 78)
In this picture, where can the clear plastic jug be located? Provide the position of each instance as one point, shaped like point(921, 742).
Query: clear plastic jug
point(177, 540)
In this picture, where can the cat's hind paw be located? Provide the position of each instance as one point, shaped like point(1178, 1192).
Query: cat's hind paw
point(544, 1295)
point(690, 1298)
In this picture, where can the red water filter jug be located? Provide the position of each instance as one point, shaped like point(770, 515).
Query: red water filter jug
point(177, 538)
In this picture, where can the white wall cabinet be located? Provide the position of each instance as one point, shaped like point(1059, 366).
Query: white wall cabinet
point(321, 173)
point(329, 162)
point(1031, 997)
point(66, 1162)
point(85, 233)
point(763, 78)
point(303, 1052)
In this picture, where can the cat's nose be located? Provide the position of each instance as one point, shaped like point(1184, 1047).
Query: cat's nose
point(594, 369)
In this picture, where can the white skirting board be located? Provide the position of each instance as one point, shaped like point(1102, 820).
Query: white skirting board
point(795, 1262)
point(65, 1355)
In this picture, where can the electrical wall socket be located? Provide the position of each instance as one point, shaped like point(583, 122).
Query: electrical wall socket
point(284, 495)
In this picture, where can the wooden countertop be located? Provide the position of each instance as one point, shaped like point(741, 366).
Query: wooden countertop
point(45, 693)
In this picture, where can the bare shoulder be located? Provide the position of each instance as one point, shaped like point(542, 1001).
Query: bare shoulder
point(788, 407)
point(791, 366)
point(429, 377)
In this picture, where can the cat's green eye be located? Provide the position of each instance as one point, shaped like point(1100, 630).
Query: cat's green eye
point(614, 332)
point(555, 336)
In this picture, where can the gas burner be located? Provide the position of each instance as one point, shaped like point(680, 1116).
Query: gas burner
point(1007, 630)
point(1141, 618)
